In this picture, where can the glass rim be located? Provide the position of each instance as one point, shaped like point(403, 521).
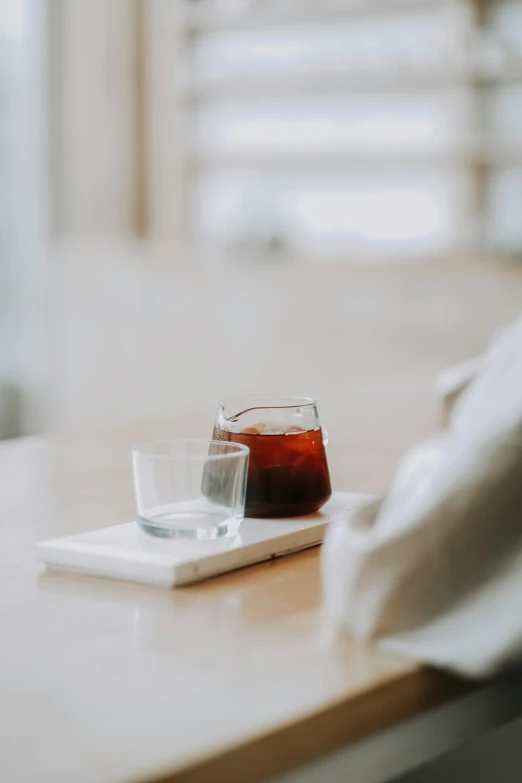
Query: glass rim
point(234, 449)
point(286, 402)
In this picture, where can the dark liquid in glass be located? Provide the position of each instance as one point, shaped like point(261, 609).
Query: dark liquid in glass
point(287, 471)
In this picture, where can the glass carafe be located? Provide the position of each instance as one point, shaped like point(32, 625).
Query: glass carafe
point(288, 472)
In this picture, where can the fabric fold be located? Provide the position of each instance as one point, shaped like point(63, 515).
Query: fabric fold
point(433, 570)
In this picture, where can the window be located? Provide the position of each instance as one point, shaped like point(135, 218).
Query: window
point(378, 129)
point(22, 212)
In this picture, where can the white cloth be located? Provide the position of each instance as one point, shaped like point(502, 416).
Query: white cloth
point(433, 570)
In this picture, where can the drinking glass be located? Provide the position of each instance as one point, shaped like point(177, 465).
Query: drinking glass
point(190, 488)
point(288, 472)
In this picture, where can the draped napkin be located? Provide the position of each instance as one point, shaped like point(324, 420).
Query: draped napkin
point(433, 570)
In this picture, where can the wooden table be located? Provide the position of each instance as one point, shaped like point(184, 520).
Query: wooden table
point(231, 680)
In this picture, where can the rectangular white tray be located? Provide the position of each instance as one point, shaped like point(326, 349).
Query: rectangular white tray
point(126, 552)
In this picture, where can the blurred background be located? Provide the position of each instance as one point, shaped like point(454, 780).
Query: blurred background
point(215, 196)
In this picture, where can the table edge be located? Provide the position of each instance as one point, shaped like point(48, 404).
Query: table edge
point(304, 740)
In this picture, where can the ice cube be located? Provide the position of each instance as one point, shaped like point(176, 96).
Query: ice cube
point(272, 428)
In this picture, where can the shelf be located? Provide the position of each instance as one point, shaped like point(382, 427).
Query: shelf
point(329, 83)
point(475, 155)
point(202, 17)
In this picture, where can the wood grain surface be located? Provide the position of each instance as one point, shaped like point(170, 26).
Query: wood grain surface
point(233, 679)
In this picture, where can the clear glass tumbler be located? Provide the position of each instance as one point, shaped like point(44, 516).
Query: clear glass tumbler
point(190, 488)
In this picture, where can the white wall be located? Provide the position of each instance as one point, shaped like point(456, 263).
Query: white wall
point(95, 134)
